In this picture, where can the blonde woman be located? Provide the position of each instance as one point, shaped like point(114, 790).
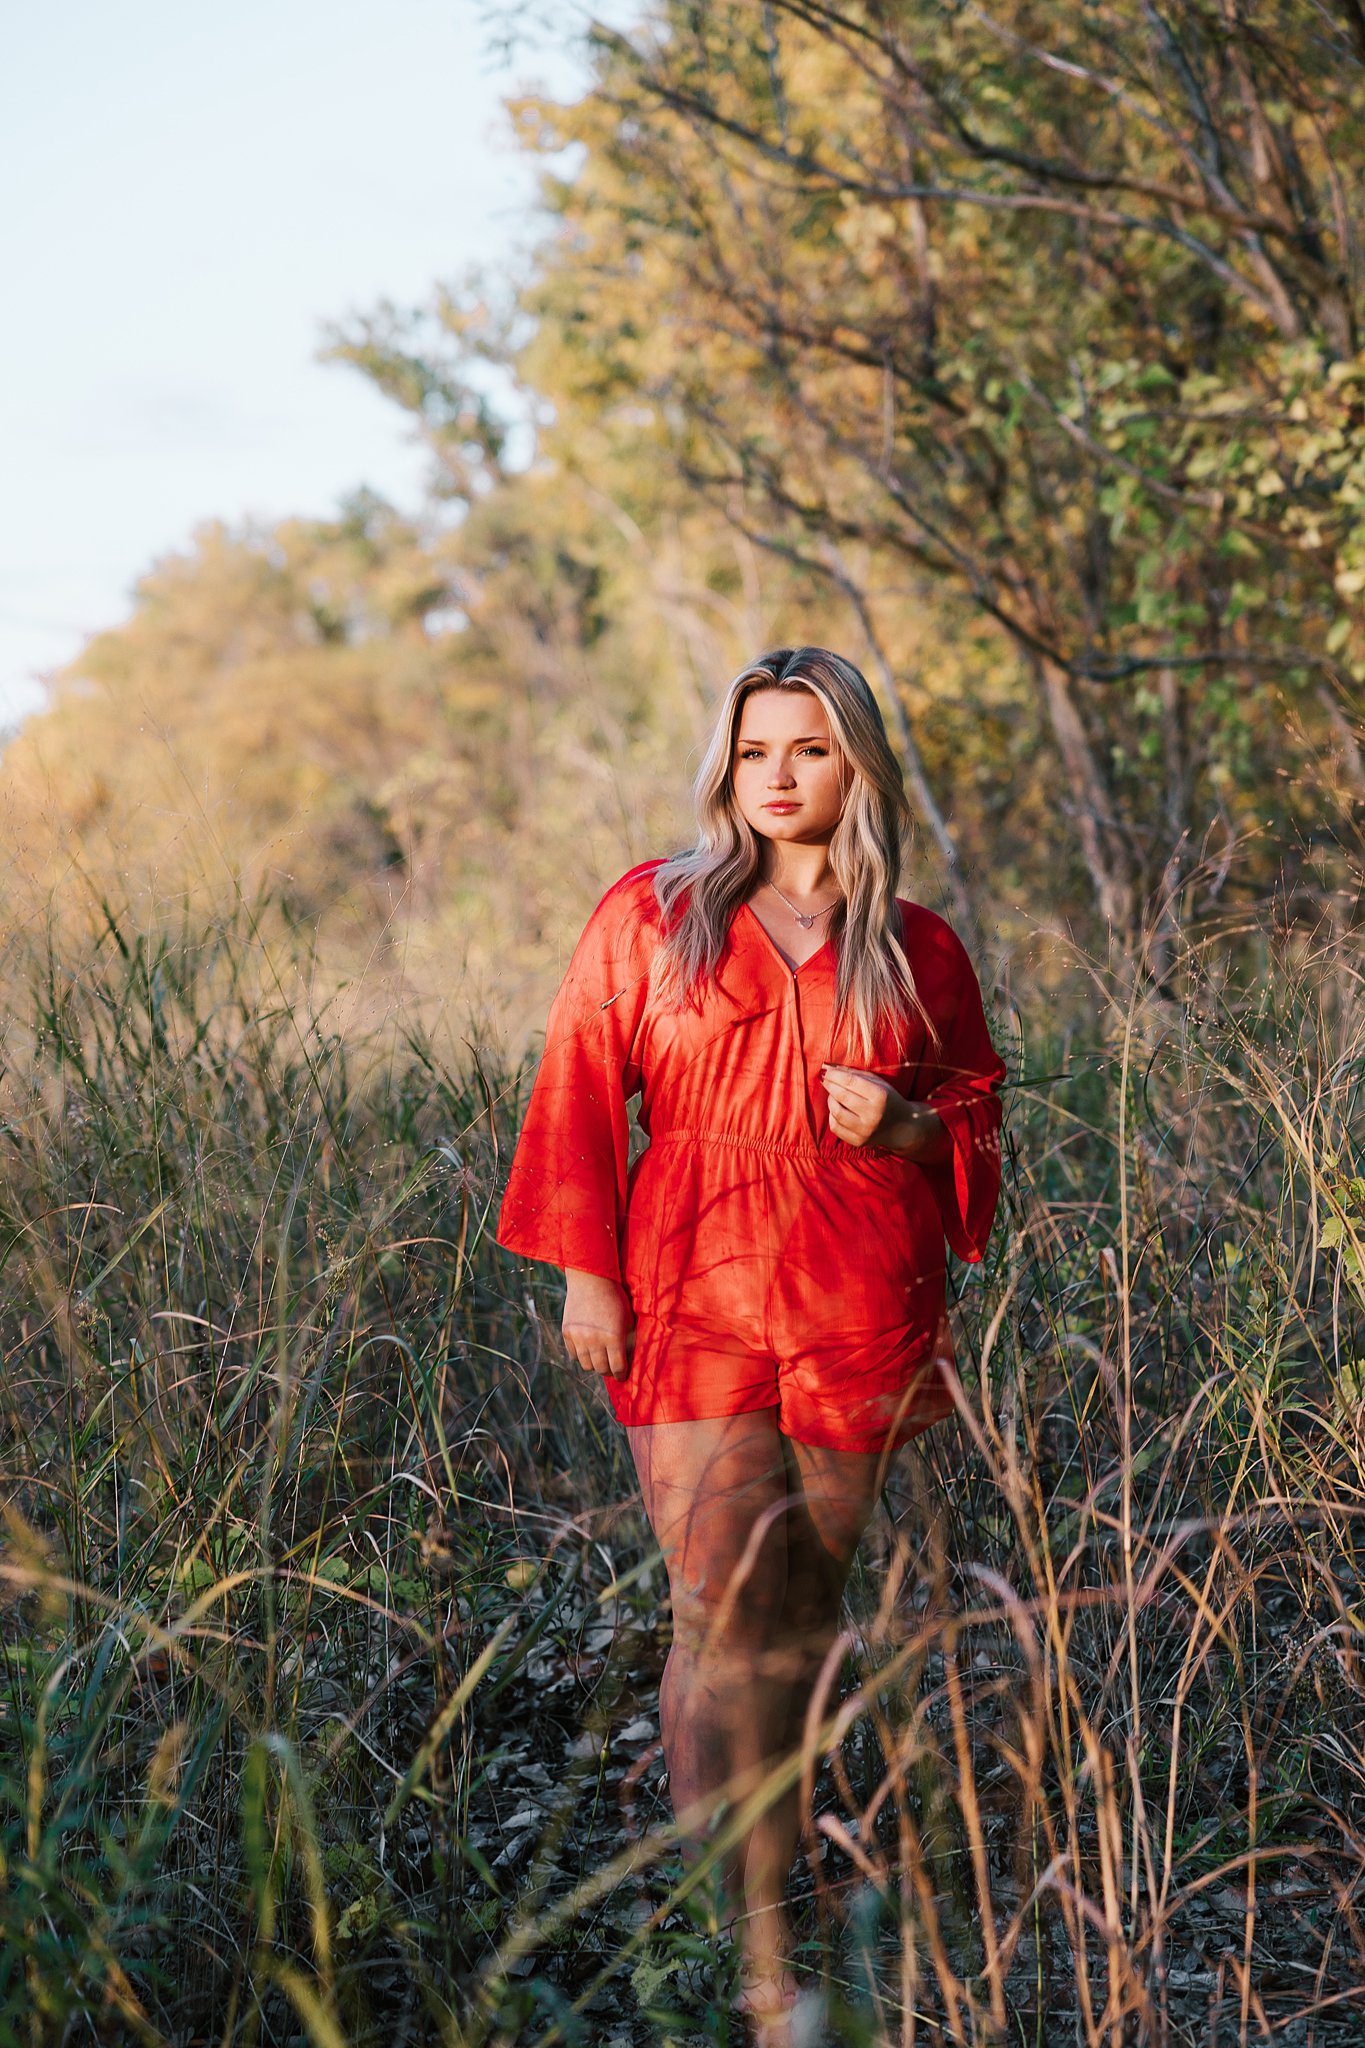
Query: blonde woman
point(763, 1289)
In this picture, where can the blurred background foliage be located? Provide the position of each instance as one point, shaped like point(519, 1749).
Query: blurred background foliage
point(1016, 353)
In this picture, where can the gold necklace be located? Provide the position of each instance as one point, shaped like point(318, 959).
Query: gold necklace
point(801, 917)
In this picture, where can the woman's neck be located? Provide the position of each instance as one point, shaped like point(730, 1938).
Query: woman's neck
point(802, 872)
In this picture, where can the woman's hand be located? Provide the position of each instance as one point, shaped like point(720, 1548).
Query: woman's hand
point(864, 1110)
point(599, 1324)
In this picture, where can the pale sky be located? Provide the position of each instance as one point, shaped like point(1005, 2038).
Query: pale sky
point(192, 190)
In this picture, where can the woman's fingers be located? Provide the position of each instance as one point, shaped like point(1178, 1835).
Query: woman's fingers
point(858, 1103)
point(618, 1365)
point(848, 1086)
point(844, 1104)
point(597, 1323)
point(599, 1350)
point(587, 1348)
point(578, 1344)
point(622, 1352)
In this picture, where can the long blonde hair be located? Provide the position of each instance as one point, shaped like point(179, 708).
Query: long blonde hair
point(873, 978)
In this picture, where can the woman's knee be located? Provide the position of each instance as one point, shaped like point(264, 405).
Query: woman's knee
point(728, 1606)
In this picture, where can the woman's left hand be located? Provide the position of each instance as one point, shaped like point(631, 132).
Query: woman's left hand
point(863, 1107)
point(865, 1110)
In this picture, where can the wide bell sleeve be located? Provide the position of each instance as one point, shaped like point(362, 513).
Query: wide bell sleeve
point(966, 1094)
point(565, 1197)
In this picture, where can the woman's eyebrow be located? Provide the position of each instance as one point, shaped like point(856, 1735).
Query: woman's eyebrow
point(804, 741)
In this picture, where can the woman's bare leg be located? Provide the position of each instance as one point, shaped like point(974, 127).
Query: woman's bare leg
point(831, 1497)
point(715, 1492)
point(758, 1534)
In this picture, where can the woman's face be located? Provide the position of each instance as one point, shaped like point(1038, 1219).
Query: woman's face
point(784, 755)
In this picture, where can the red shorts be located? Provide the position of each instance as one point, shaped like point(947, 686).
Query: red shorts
point(839, 1397)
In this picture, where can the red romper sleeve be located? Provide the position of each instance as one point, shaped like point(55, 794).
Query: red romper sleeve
point(566, 1189)
point(966, 1094)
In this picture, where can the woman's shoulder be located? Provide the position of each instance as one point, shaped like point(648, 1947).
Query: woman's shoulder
point(927, 936)
point(641, 877)
point(920, 918)
point(631, 898)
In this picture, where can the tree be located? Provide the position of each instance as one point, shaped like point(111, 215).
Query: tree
point(1056, 309)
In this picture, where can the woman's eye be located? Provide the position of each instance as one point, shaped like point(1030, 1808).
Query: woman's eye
point(753, 753)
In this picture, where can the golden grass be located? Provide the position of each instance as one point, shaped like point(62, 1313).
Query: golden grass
point(330, 1623)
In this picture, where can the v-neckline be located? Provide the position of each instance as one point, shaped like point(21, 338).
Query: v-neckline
point(772, 945)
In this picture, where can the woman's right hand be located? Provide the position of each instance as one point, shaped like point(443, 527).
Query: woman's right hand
point(599, 1324)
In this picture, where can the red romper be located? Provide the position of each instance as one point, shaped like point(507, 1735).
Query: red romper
point(768, 1263)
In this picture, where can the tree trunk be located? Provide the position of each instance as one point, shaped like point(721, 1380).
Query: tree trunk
point(1090, 807)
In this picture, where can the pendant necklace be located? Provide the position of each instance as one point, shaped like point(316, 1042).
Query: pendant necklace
point(805, 921)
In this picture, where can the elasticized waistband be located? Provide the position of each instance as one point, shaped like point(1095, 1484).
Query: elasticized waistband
point(781, 1148)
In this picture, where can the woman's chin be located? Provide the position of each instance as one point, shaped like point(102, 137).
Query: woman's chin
point(796, 826)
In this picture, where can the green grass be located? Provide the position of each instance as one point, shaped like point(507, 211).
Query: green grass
point(331, 1627)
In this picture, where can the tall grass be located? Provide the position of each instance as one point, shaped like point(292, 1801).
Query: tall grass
point(331, 1625)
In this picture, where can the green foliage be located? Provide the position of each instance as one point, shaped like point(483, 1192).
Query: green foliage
point(1037, 390)
point(947, 312)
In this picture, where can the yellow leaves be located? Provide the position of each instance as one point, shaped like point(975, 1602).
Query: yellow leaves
point(1221, 401)
point(167, 1763)
point(1343, 1228)
point(867, 229)
point(814, 71)
point(27, 1565)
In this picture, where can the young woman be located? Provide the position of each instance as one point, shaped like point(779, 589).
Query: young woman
point(764, 1287)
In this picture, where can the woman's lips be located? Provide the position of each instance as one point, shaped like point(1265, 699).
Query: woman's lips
point(781, 807)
